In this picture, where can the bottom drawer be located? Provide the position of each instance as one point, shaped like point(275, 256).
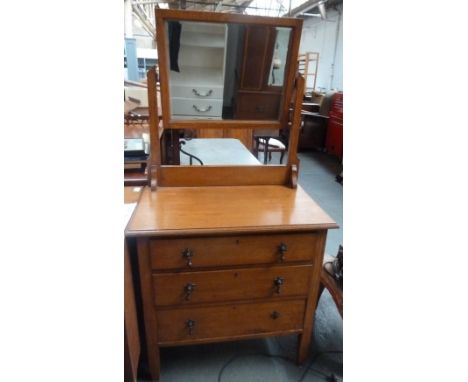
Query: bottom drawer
point(229, 321)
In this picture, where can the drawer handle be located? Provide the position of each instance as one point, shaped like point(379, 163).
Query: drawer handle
point(282, 248)
point(279, 281)
point(188, 254)
point(275, 315)
point(208, 93)
point(190, 325)
point(189, 289)
point(202, 110)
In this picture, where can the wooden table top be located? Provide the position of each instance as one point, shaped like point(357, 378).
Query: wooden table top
point(208, 210)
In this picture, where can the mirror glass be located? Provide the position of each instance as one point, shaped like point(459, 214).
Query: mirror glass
point(226, 70)
point(212, 147)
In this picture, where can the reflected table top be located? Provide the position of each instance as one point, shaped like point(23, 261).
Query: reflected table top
point(217, 151)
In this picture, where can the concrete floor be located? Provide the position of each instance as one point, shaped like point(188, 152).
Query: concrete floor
point(249, 361)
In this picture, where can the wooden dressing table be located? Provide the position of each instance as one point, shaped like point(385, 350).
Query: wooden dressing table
point(227, 252)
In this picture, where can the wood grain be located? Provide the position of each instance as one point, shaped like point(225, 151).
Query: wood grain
point(231, 285)
point(221, 210)
point(227, 321)
point(132, 338)
point(227, 175)
point(166, 254)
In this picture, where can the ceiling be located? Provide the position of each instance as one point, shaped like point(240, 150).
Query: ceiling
point(143, 10)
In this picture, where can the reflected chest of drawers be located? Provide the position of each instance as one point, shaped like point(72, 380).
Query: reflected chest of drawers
point(227, 263)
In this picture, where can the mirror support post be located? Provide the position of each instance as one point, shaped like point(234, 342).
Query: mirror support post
point(293, 160)
point(155, 154)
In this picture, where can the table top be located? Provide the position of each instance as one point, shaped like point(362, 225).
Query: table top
point(218, 151)
point(235, 209)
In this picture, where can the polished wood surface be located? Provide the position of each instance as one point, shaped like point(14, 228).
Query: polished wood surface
point(227, 321)
point(132, 338)
point(231, 284)
point(178, 210)
point(222, 175)
point(245, 241)
point(132, 348)
point(166, 254)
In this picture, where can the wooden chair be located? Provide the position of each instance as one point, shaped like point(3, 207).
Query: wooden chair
point(328, 281)
point(269, 145)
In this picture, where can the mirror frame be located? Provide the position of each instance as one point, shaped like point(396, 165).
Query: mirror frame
point(163, 15)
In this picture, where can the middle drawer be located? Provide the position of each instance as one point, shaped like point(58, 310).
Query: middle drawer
point(231, 285)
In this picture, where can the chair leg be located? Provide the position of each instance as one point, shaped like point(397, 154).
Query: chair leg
point(282, 156)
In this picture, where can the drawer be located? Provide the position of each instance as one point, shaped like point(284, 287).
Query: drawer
point(193, 253)
point(258, 106)
point(225, 321)
point(197, 107)
point(231, 285)
point(197, 92)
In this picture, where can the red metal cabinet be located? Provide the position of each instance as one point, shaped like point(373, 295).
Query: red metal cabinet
point(334, 141)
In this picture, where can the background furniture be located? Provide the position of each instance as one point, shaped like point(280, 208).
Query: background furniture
point(132, 349)
point(197, 89)
point(314, 127)
point(308, 67)
point(269, 145)
point(334, 141)
point(328, 282)
point(213, 151)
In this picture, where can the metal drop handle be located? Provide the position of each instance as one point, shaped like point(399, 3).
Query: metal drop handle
point(202, 110)
point(188, 254)
point(208, 93)
point(282, 248)
point(275, 315)
point(190, 324)
point(279, 281)
point(189, 289)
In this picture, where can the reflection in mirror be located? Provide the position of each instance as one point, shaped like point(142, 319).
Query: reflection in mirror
point(226, 71)
point(189, 147)
point(279, 57)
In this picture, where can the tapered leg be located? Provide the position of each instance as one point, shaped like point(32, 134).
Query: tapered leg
point(154, 362)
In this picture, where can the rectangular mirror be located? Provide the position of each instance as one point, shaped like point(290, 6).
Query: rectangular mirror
point(225, 72)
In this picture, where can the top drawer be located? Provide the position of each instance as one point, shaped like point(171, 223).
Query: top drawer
point(193, 253)
point(200, 92)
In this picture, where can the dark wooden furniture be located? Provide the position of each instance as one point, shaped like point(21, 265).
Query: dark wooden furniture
point(227, 252)
point(132, 349)
point(269, 145)
point(328, 282)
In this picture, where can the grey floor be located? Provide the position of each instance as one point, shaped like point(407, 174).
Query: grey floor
point(272, 359)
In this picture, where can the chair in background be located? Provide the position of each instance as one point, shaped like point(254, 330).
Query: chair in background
point(269, 145)
point(314, 126)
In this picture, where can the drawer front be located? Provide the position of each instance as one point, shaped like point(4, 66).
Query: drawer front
point(193, 253)
point(231, 285)
point(222, 322)
point(197, 92)
point(197, 107)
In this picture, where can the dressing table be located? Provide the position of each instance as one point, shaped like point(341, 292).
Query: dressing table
point(227, 252)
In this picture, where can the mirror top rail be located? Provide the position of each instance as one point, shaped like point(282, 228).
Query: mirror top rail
point(218, 17)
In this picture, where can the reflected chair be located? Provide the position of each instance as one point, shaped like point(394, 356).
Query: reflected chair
point(269, 145)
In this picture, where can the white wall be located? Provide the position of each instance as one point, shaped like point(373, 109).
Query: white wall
point(320, 36)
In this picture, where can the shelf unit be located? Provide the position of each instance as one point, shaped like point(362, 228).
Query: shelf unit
point(308, 67)
point(197, 89)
